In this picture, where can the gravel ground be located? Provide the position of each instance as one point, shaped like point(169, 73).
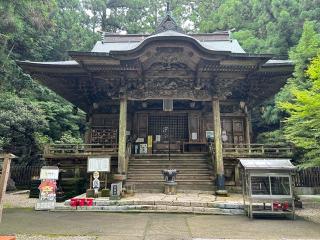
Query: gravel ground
point(41, 237)
point(310, 214)
point(22, 200)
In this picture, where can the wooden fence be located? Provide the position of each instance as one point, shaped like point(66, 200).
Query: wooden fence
point(22, 175)
point(309, 177)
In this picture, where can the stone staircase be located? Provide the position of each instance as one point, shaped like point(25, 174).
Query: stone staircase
point(195, 172)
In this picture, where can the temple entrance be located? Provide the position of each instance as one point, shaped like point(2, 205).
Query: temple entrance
point(167, 127)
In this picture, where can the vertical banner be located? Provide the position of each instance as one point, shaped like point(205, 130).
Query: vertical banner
point(150, 144)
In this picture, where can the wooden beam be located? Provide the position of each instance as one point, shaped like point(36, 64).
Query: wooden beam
point(4, 178)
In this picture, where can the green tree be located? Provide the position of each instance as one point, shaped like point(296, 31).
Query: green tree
point(30, 114)
point(20, 120)
point(303, 126)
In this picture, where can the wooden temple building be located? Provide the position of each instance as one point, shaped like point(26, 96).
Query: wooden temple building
point(148, 96)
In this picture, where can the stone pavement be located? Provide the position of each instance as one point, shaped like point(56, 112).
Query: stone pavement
point(204, 203)
point(29, 224)
point(310, 211)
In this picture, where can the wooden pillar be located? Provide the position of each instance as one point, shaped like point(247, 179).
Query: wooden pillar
point(122, 135)
point(219, 168)
point(4, 178)
point(237, 175)
point(248, 128)
point(87, 134)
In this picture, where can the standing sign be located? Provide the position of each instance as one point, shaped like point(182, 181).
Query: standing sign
point(99, 164)
point(49, 172)
point(96, 182)
point(115, 192)
point(48, 187)
point(96, 165)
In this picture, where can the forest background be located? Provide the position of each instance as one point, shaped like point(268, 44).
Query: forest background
point(44, 30)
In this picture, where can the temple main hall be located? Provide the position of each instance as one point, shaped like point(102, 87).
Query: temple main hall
point(165, 100)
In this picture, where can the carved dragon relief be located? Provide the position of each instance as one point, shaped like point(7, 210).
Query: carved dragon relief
point(168, 77)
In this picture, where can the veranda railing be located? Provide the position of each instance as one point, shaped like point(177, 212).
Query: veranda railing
point(79, 149)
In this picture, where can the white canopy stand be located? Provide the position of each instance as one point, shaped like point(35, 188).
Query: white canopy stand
point(267, 186)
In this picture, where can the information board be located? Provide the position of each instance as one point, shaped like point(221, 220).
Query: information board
point(99, 164)
point(49, 172)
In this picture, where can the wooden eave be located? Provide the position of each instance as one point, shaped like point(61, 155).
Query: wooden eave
point(35, 67)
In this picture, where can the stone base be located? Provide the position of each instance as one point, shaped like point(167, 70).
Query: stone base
point(115, 197)
point(105, 192)
point(170, 188)
point(90, 193)
point(222, 193)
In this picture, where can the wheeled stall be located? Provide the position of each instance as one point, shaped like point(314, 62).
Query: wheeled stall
point(267, 186)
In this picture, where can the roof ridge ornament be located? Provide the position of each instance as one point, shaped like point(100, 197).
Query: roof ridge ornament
point(168, 12)
point(168, 23)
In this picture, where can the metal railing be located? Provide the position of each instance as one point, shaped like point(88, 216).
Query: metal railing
point(79, 149)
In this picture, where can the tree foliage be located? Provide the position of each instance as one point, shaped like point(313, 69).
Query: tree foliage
point(31, 115)
point(302, 127)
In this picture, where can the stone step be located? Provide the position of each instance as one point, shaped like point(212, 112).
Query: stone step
point(206, 181)
point(160, 177)
point(172, 156)
point(155, 165)
point(166, 161)
point(159, 174)
point(194, 171)
point(181, 171)
point(141, 187)
point(160, 168)
point(159, 204)
point(154, 209)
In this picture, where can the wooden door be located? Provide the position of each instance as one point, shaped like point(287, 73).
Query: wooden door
point(238, 131)
point(142, 122)
point(194, 127)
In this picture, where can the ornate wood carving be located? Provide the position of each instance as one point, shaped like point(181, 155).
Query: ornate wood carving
point(168, 23)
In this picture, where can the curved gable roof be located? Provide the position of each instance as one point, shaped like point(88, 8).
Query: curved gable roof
point(131, 42)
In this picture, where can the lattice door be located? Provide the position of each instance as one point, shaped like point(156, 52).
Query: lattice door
point(177, 124)
point(103, 136)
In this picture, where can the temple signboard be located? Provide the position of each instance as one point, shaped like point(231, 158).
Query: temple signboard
point(99, 164)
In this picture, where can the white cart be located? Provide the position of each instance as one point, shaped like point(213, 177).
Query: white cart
point(267, 186)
